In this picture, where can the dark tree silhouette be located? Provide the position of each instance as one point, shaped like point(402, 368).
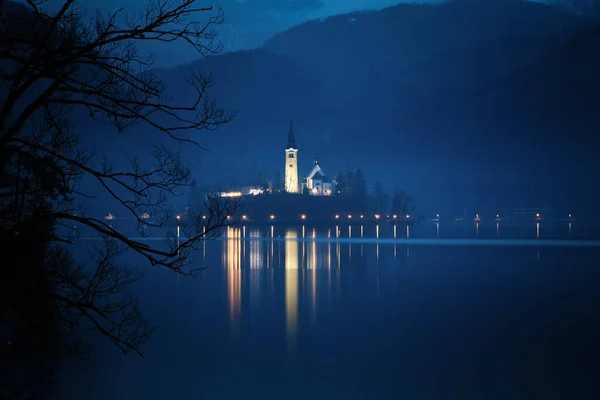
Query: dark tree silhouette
point(379, 199)
point(341, 185)
point(402, 203)
point(52, 66)
point(359, 187)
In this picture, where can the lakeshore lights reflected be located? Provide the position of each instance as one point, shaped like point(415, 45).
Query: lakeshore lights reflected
point(569, 229)
point(291, 287)
point(312, 265)
point(256, 250)
point(234, 276)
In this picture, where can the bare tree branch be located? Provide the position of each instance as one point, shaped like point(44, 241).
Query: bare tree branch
point(53, 66)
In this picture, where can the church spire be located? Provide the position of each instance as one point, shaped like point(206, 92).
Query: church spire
point(291, 144)
point(316, 159)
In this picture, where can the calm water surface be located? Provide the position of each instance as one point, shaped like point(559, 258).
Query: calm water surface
point(280, 315)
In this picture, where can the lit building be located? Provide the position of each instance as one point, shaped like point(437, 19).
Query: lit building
point(317, 182)
point(291, 163)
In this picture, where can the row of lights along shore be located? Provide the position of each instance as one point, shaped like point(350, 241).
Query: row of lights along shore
point(477, 218)
point(375, 216)
point(336, 216)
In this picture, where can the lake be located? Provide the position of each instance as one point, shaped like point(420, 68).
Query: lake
point(456, 311)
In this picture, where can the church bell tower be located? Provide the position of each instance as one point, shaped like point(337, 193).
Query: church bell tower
point(291, 163)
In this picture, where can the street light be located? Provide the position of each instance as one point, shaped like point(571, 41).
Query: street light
point(303, 216)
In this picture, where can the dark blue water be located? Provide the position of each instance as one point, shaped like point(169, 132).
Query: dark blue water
point(280, 315)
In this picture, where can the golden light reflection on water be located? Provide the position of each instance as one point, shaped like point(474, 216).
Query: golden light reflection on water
point(256, 257)
point(282, 254)
point(313, 267)
point(234, 277)
point(291, 286)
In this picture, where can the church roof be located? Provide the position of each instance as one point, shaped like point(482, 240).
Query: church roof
point(316, 170)
point(291, 144)
point(318, 174)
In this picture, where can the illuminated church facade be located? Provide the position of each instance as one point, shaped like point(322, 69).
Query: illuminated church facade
point(316, 183)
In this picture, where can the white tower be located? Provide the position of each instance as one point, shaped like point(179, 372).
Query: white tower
point(291, 163)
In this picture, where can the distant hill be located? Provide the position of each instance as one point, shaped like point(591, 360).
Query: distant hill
point(545, 115)
point(416, 95)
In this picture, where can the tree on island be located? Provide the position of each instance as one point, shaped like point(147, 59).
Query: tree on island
point(379, 199)
point(56, 65)
point(359, 188)
point(341, 186)
point(402, 203)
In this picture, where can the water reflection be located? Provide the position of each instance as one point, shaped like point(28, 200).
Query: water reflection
point(253, 248)
point(234, 277)
point(313, 267)
point(291, 286)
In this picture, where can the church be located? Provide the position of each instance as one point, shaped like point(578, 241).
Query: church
point(316, 183)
